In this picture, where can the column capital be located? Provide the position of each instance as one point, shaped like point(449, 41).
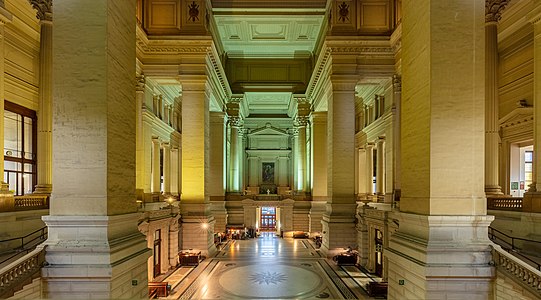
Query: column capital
point(140, 82)
point(369, 146)
point(494, 9)
point(155, 140)
point(44, 9)
point(397, 82)
point(301, 121)
point(235, 121)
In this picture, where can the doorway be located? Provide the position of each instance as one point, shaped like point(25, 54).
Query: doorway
point(379, 253)
point(157, 252)
point(267, 220)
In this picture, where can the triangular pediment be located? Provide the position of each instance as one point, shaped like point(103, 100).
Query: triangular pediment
point(519, 115)
point(268, 130)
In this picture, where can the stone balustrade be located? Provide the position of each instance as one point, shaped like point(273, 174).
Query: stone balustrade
point(15, 275)
point(517, 269)
point(505, 203)
point(27, 202)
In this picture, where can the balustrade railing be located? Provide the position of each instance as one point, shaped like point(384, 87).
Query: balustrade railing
point(529, 277)
point(15, 275)
point(505, 203)
point(31, 202)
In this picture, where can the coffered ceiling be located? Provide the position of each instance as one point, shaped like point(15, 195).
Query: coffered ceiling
point(255, 28)
point(271, 104)
point(268, 36)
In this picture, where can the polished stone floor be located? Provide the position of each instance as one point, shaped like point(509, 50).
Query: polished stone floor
point(268, 268)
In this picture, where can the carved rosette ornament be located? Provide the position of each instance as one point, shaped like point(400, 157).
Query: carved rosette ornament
point(44, 9)
point(494, 9)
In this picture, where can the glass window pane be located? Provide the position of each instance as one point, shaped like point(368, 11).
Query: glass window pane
point(11, 165)
point(28, 151)
point(528, 167)
point(28, 168)
point(20, 188)
point(528, 156)
point(11, 133)
point(28, 186)
point(12, 180)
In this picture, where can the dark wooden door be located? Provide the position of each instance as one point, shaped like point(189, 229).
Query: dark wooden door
point(157, 252)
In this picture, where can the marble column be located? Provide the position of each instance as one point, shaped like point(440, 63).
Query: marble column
point(369, 151)
point(493, 12)
point(216, 152)
point(535, 19)
point(93, 238)
point(442, 240)
point(361, 180)
point(166, 168)
point(139, 136)
point(156, 171)
point(44, 126)
point(5, 18)
point(283, 170)
point(338, 219)
point(174, 171)
point(357, 172)
point(396, 110)
point(319, 155)
point(197, 220)
point(380, 167)
point(300, 143)
point(234, 177)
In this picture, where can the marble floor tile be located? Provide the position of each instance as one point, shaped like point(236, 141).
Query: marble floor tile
point(269, 267)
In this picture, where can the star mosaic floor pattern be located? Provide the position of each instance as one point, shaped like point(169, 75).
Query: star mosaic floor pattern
point(269, 268)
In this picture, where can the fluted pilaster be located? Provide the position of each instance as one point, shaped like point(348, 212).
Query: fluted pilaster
point(493, 10)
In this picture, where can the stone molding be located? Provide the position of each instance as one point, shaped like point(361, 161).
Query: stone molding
point(44, 9)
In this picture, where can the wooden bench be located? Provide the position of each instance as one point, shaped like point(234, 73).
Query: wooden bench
point(158, 289)
point(377, 289)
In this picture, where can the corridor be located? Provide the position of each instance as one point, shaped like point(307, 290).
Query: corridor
point(269, 267)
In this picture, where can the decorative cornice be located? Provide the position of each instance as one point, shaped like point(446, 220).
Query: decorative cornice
point(361, 50)
point(44, 9)
point(494, 9)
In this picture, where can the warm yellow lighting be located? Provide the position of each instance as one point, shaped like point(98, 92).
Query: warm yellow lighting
point(205, 225)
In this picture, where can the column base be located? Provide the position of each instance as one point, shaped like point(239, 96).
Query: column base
point(493, 190)
point(99, 257)
point(43, 189)
point(440, 257)
point(197, 228)
point(338, 227)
